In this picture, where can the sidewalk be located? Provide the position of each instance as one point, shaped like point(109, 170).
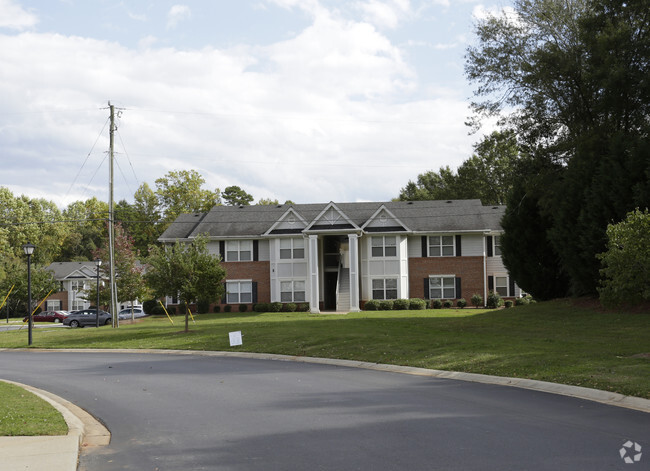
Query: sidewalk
point(53, 453)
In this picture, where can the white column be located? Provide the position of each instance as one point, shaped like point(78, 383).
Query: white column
point(354, 272)
point(313, 275)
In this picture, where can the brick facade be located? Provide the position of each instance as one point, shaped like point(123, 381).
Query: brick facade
point(469, 269)
point(259, 272)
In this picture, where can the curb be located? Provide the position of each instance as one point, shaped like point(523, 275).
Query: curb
point(579, 392)
point(83, 427)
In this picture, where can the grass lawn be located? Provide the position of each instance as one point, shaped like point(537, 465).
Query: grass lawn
point(25, 414)
point(555, 341)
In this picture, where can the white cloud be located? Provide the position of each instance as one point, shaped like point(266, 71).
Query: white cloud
point(325, 115)
point(15, 17)
point(385, 14)
point(481, 12)
point(176, 14)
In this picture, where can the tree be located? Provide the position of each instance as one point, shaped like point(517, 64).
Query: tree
point(626, 263)
point(526, 249)
point(572, 79)
point(188, 271)
point(181, 192)
point(87, 220)
point(235, 196)
point(129, 274)
point(14, 271)
point(432, 186)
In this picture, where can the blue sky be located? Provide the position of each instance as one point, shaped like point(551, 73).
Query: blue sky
point(308, 100)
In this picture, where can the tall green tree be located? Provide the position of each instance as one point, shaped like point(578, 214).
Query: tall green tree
point(572, 79)
point(87, 222)
point(14, 273)
point(188, 271)
point(182, 191)
point(235, 196)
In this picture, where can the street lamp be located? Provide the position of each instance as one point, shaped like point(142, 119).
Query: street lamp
point(98, 263)
point(29, 250)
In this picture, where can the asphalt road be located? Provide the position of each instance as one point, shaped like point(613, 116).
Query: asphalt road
point(175, 412)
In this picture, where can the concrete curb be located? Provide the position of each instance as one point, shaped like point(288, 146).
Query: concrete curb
point(53, 453)
point(596, 395)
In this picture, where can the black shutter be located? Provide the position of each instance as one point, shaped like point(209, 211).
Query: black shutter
point(490, 283)
point(426, 288)
point(511, 286)
point(488, 241)
point(254, 291)
point(458, 291)
point(256, 250)
point(425, 246)
point(222, 249)
point(459, 251)
point(224, 299)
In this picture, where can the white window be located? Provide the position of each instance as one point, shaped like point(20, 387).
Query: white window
point(441, 246)
point(292, 291)
point(53, 305)
point(292, 248)
point(384, 246)
point(442, 287)
point(384, 288)
point(239, 250)
point(497, 245)
point(501, 285)
point(239, 292)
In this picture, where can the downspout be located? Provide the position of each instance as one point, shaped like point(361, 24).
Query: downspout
point(485, 270)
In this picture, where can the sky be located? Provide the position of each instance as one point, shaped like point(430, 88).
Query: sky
point(304, 100)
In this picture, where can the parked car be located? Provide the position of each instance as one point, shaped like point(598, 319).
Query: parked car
point(49, 316)
point(87, 317)
point(126, 313)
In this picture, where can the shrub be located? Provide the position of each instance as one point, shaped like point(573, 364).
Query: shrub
point(521, 301)
point(494, 300)
point(303, 307)
point(386, 305)
point(290, 307)
point(227, 308)
point(149, 305)
point(401, 304)
point(461, 303)
point(436, 304)
point(261, 307)
point(156, 311)
point(371, 305)
point(477, 300)
point(171, 310)
point(447, 304)
point(243, 307)
point(508, 304)
point(203, 306)
point(275, 307)
point(216, 308)
point(417, 304)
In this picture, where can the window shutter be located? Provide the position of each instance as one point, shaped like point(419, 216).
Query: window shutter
point(488, 241)
point(459, 251)
point(222, 249)
point(224, 299)
point(490, 283)
point(256, 250)
point(511, 286)
point(458, 291)
point(254, 291)
point(425, 247)
point(426, 288)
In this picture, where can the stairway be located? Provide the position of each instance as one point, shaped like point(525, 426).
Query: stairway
point(343, 299)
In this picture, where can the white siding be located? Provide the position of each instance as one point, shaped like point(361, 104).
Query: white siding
point(472, 245)
point(389, 267)
point(415, 246)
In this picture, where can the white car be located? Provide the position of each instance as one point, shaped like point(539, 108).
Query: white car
point(126, 313)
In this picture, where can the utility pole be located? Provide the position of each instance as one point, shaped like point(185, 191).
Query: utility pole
point(111, 230)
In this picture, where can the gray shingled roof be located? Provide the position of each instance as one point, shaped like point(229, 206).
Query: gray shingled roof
point(62, 270)
point(418, 216)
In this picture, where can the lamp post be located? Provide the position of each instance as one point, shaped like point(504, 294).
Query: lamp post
point(29, 250)
point(98, 263)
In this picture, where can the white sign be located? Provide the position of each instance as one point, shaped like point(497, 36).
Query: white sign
point(235, 338)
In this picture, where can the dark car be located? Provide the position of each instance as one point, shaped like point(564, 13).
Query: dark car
point(87, 317)
point(49, 316)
